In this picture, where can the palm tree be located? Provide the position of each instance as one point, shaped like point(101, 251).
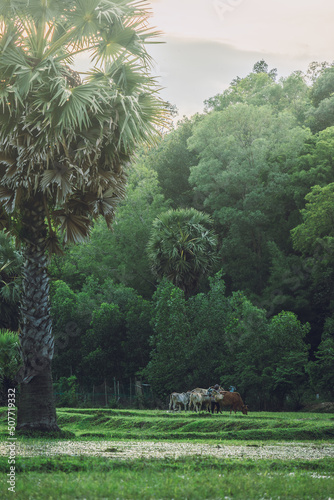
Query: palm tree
point(64, 141)
point(182, 247)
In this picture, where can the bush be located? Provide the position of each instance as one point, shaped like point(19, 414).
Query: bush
point(66, 390)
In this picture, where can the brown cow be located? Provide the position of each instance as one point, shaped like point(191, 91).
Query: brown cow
point(234, 401)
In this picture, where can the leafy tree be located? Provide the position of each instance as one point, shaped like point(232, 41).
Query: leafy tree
point(169, 343)
point(102, 356)
point(262, 67)
point(323, 87)
point(138, 331)
point(317, 230)
point(182, 247)
point(10, 361)
point(314, 166)
point(314, 238)
point(66, 390)
point(246, 158)
point(257, 89)
point(66, 329)
point(288, 286)
point(321, 94)
point(288, 357)
point(295, 96)
point(321, 370)
point(315, 69)
point(63, 142)
point(78, 333)
point(208, 314)
point(171, 159)
point(246, 353)
point(322, 117)
point(10, 282)
point(260, 88)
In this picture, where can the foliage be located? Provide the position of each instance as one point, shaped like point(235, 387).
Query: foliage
point(66, 390)
point(171, 159)
point(260, 88)
point(10, 270)
point(316, 231)
point(246, 155)
point(119, 254)
point(182, 247)
point(323, 87)
point(321, 371)
point(64, 142)
point(10, 361)
point(167, 366)
point(226, 340)
point(289, 356)
point(100, 332)
point(264, 181)
point(73, 135)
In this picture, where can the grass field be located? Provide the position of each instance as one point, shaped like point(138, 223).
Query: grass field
point(144, 454)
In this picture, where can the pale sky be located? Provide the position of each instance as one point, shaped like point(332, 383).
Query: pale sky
point(210, 42)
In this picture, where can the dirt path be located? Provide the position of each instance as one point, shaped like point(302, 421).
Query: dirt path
point(125, 450)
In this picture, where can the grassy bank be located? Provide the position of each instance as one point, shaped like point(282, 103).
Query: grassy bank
point(146, 424)
point(186, 477)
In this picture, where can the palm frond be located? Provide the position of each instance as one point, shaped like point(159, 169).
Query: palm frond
point(7, 199)
point(75, 228)
point(60, 177)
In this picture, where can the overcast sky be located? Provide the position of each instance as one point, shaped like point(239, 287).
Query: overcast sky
point(210, 42)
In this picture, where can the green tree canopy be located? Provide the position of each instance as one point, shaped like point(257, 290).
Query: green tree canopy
point(247, 155)
point(317, 229)
point(119, 254)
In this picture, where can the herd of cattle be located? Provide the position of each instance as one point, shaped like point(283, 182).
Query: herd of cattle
point(207, 399)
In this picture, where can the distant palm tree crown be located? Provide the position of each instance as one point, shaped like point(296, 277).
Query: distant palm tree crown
point(183, 247)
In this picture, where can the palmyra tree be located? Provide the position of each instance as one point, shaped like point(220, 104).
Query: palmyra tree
point(63, 143)
point(183, 247)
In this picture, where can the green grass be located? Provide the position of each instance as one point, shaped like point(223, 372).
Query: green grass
point(196, 477)
point(160, 425)
point(186, 478)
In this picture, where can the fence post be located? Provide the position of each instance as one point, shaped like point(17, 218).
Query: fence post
point(139, 393)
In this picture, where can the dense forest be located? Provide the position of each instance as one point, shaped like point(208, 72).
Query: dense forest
point(220, 264)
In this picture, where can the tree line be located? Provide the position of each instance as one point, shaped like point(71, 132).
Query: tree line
point(220, 263)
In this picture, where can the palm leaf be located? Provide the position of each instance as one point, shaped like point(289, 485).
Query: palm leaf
point(61, 178)
point(75, 228)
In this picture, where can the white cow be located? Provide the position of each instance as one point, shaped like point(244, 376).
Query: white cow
point(179, 400)
point(200, 401)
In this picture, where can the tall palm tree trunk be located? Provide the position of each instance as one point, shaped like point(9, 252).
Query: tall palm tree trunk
point(36, 409)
